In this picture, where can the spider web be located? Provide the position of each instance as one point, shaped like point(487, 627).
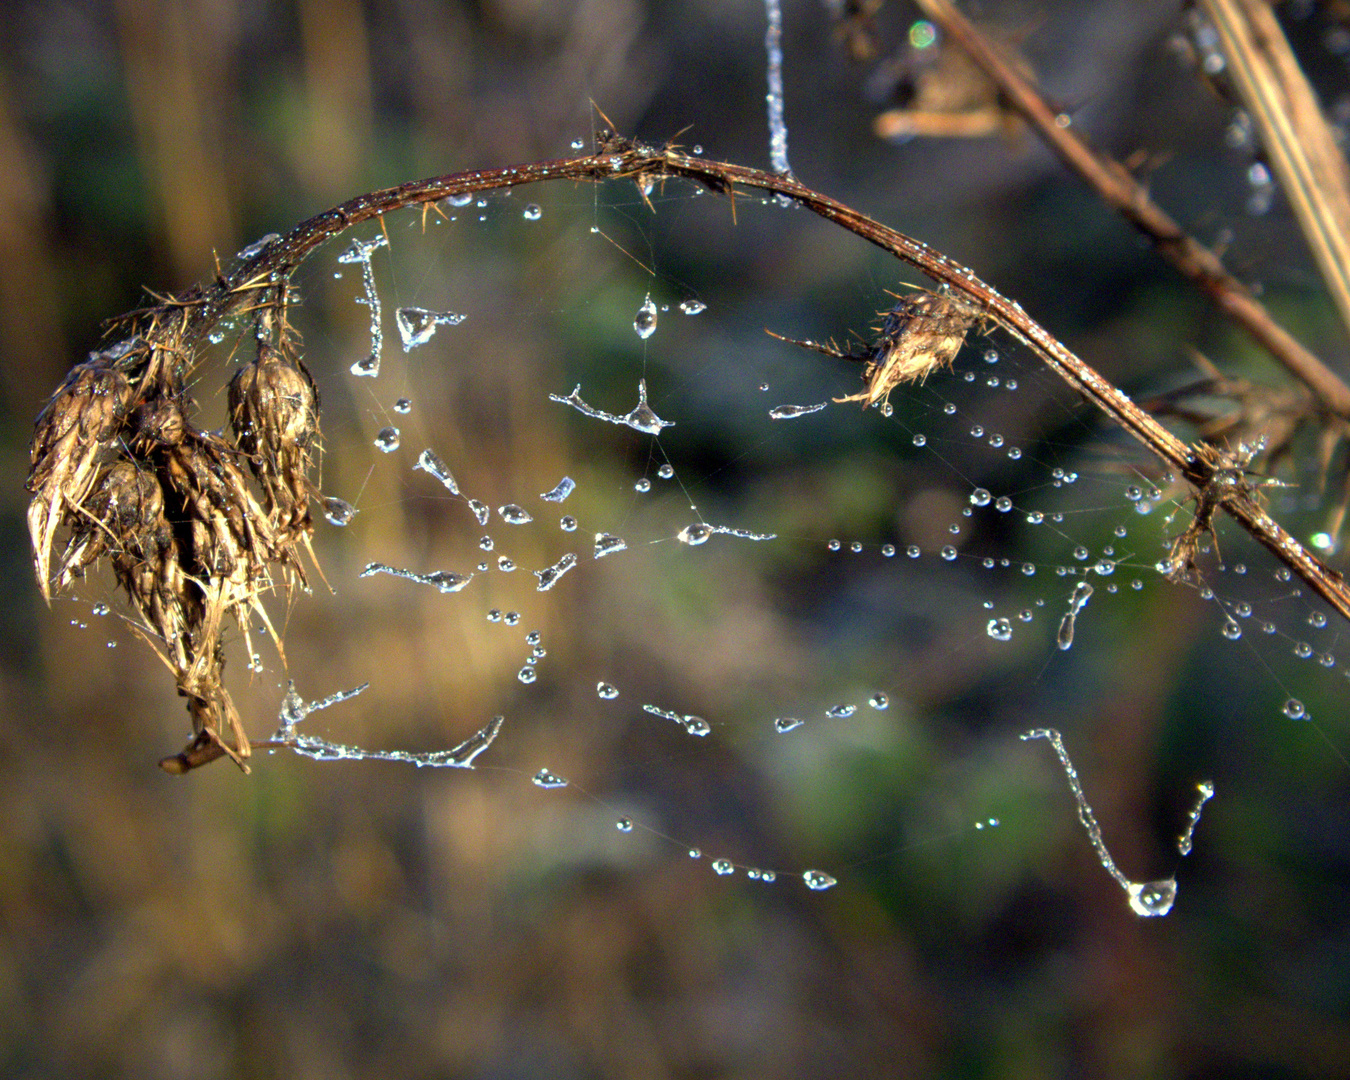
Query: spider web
point(572, 483)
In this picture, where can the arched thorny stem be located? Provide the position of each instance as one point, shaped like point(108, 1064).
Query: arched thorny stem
point(201, 309)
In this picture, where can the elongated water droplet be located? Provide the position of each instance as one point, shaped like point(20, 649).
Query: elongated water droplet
point(605, 544)
point(791, 412)
point(645, 320)
point(514, 515)
point(642, 418)
point(546, 779)
point(550, 575)
point(338, 511)
point(693, 307)
point(560, 491)
point(787, 723)
point(431, 464)
point(818, 880)
point(480, 511)
point(840, 712)
point(695, 534)
point(447, 581)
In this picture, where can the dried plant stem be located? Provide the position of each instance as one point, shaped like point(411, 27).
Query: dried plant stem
point(1119, 189)
point(1301, 148)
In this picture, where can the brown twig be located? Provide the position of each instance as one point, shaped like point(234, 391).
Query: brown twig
point(1124, 193)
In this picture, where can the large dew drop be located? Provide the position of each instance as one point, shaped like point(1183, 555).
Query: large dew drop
point(695, 534)
point(561, 490)
point(338, 511)
point(416, 326)
point(645, 320)
point(546, 779)
point(430, 463)
point(514, 515)
point(791, 412)
point(1151, 898)
point(818, 880)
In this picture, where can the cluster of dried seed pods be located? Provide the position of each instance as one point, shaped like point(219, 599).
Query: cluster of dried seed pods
point(121, 471)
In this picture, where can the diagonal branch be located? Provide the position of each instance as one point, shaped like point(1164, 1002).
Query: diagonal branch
point(1114, 183)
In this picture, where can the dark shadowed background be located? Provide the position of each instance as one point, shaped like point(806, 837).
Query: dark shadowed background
point(364, 920)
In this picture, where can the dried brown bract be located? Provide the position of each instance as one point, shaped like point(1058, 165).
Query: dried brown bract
point(921, 334)
point(119, 465)
point(1227, 482)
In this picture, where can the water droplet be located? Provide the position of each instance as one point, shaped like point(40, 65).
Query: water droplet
point(1000, 629)
point(527, 675)
point(605, 691)
point(695, 534)
point(1293, 708)
point(723, 867)
point(834, 545)
point(514, 515)
point(856, 547)
point(624, 825)
point(645, 320)
point(949, 552)
point(560, 491)
point(1231, 630)
point(403, 405)
point(605, 544)
point(387, 440)
point(338, 511)
point(504, 564)
point(694, 853)
point(791, 412)
point(431, 464)
point(693, 307)
point(913, 551)
point(462, 200)
point(888, 551)
point(1151, 898)
point(696, 725)
point(644, 485)
point(665, 472)
point(567, 523)
point(818, 880)
point(532, 212)
point(787, 723)
point(511, 618)
point(545, 779)
point(447, 581)
point(879, 701)
point(481, 511)
point(920, 439)
point(980, 497)
point(1035, 518)
point(417, 326)
point(494, 615)
point(840, 712)
point(578, 144)
point(101, 609)
point(1303, 650)
point(486, 543)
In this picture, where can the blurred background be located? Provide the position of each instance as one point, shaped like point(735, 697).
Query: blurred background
point(374, 920)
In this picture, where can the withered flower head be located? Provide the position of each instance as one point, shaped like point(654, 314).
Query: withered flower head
point(84, 417)
point(921, 334)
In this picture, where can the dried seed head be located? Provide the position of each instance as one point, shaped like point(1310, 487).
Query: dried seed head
point(157, 423)
point(82, 420)
point(921, 334)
